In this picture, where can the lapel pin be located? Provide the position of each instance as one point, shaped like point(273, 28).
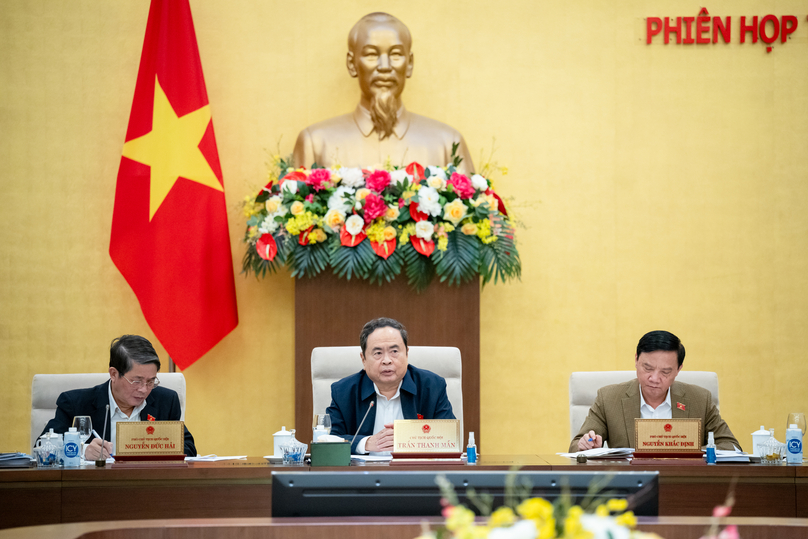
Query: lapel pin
point(150, 417)
point(680, 406)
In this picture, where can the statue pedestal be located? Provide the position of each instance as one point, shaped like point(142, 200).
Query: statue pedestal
point(331, 312)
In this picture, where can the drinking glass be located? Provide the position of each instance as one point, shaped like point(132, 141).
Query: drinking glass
point(324, 421)
point(797, 418)
point(84, 426)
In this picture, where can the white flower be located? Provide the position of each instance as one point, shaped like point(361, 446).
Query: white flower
point(352, 177)
point(400, 176)
point(523, 529)
point(289, 186)
point(437, 171)
point(604, 527)
point(429, 201)
point(478, 182)
point(354, 225)
point(269, 225)
point(424, 230)
point(339, 200)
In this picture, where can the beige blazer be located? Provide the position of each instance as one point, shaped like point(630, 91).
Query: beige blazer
point(616, 406)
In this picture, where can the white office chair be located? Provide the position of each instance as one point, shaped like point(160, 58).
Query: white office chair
point(584, 388)
point(46, 388)
point(329, 364)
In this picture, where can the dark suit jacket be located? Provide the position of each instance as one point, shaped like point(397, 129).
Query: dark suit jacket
point(162, 404)
point(422, 392)
point(616, 406)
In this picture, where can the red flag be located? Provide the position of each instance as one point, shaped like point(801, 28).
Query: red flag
point(169, 228)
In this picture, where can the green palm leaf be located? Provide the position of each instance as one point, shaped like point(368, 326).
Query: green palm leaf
point(459, 262)
point(420, 269)
point(350, 262)
point(386, 270)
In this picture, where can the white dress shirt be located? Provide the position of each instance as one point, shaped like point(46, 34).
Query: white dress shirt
point(387, 411)
point(117, 415)
point(663, 411)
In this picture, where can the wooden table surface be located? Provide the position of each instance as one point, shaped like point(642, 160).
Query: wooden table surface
point(242, 488)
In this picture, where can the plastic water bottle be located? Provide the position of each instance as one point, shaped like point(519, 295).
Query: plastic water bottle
point(793, 444)
point(72, 448)
point(471, 450)
point(710, 448)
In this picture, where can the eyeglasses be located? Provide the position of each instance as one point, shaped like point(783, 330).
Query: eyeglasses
point(149, 384)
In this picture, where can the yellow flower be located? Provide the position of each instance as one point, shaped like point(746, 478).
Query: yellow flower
point(317, 235)
point(535, 508)
point(297, 208)
point(362, 193)
point(602, 511)
point(392, 213)
point(503, 170)
point(443, 243)
point(469, 229)
point(627, 519)
point(502, 518)
point(455, 211)
point(484, 232)
point(406, 232)
point(252, 232)
point(407, 195)
point(547, 529)
point(375, 231)
point(334, 219)
point(617, 504)
point(298, 224)
point(459, 518)
point(273, 204)
point(389, 233)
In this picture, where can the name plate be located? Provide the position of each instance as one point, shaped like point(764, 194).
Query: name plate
point(667, 436)
point(426, 437)
point(146, 440)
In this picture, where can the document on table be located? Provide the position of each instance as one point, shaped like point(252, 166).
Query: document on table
point(603, 453)
point(213, 458)
point(727, 455)
point(372, 458)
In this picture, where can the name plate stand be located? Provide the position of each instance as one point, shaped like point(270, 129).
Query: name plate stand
point(150, 443)
point(667, 438)
point(426, 441)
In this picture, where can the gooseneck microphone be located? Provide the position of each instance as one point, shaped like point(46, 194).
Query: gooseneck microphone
point(362, 423)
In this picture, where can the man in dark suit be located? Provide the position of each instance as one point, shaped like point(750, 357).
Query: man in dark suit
point(654, 394)
point(132, 394)
point(396, 389)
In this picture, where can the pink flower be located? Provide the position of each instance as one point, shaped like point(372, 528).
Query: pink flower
point(374, 207)
point(462, 185)
point(400, 202)
point(318, 178)
point(722, 511)
point(378, 181)
point(310, 197)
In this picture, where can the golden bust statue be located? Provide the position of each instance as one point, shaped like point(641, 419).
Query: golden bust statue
point(379, 56)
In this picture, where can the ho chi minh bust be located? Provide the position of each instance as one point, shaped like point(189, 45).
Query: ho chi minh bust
point(379, 56)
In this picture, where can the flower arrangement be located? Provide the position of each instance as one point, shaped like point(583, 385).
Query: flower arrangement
point(373, 223)
point(523, 517)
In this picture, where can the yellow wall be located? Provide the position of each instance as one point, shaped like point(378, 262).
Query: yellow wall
point(660, 187)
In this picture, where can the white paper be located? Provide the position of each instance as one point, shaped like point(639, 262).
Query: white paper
point(372, 458)
point(213, 458)
point(602, 452)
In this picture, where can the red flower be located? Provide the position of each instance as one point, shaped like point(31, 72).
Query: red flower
point(462, 185)
point(318, 178)
point(416, 171)
point(266, 247)
point(424, 247)
point(417, 215)
point(294, 176)
point(309, 197)
point(303, 238)
point(385, 248)
point(346, 239)
point(378, 181)
point(500, 204)
point(374, 207)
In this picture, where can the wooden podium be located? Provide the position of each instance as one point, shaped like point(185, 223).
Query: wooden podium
point(331, 312)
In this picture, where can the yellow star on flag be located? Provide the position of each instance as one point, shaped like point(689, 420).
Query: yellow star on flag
point(171, 149)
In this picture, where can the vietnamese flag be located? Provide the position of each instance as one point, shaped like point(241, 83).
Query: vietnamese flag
point(169, 227)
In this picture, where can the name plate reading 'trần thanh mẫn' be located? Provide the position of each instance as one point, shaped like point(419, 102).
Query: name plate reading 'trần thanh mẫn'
point(426, 437)
point(674, 436)
point(149, 440)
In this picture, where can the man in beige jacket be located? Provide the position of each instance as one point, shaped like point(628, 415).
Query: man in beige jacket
point(653, 395)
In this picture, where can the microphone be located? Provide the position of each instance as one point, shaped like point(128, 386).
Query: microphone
point(101, 461)
point(362, 423)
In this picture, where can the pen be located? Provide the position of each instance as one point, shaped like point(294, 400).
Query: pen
point(96, 434)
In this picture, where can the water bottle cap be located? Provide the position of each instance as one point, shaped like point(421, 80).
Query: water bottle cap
point(710, 438)
point(793, 426)
point(72, 429)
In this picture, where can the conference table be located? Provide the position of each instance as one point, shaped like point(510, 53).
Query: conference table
point(242, 489)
